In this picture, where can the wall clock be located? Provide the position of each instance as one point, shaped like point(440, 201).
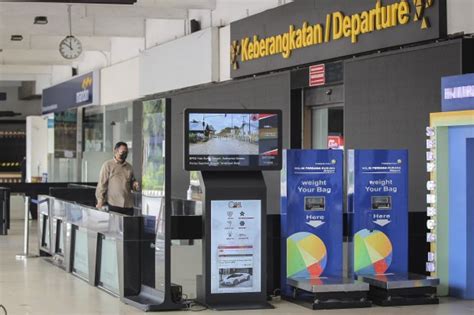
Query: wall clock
point(70, 47)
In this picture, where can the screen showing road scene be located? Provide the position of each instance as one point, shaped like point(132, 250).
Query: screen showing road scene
point(233, 140)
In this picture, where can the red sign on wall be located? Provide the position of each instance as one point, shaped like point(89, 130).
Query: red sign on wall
point(336, 142)
point(317, 75)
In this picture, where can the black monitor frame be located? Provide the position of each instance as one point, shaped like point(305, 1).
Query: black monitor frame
point(189, 111)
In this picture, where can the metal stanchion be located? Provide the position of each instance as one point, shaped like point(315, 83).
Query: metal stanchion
point(26, 244)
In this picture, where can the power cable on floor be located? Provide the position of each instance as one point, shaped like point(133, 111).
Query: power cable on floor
point(276, 295)
point(195, 307)
point(191, 304)
point(4, 309)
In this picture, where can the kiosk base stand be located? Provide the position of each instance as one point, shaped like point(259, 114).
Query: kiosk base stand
point(329, 293)
point(141, 286)
point(398, 290)
point(229, 306)
point(151, 300)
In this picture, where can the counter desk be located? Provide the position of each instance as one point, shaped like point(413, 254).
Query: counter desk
point(122, 255)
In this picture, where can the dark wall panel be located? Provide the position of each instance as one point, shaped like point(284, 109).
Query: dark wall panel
point(388, 99)
point(137, 139)
point(468, 55)
point(268, 92)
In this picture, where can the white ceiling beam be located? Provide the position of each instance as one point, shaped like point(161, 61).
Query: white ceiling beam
point(123, 27)
point(98, 26)
point(88, 42)
point(34, 57)
point(136, 11)
point(52, 42)
point(179, 4)
point(35, 9)
point(83, 11)
point(55, 26)
point(17, 76)
point(10, 84)
point(23, 70)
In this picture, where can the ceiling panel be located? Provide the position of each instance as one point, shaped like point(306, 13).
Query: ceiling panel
point(33, 57)
point(96, 25)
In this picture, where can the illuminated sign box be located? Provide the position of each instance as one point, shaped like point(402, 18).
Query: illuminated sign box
point(304, 32)
point(78, 91)
point(457, 92)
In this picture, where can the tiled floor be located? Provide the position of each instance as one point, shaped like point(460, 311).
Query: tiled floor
point(36, 287)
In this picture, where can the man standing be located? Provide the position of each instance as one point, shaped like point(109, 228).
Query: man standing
point(116, 182)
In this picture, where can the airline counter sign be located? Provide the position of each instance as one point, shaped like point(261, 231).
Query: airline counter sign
point(81, 90)
point(310, 31)
point(457, 92)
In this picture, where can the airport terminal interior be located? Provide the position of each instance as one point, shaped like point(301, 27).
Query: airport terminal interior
point(237, 156)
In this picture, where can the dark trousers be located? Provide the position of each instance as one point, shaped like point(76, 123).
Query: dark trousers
point(127, 211)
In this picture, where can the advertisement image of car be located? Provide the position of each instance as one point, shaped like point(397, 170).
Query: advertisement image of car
point(234, 279)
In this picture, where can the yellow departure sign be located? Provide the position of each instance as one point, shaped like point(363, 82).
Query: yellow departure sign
point(337, 26)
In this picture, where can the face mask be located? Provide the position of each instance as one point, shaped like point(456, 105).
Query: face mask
point(123, 156)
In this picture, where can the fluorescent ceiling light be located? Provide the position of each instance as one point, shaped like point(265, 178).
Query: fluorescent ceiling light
point(41, 20)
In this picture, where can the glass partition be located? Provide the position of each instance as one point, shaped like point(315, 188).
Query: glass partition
point(153, 179)
point(108, 268)
point(103, 127)
point(59, 238)
point(63, 170)
point(44, 231)
point(62, 163)
point(118, 125)
point(93, 128)
point(80, 259)
point(44, 224)
point(99, 127)
point(65, 134)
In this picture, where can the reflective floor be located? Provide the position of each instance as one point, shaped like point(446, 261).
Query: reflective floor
point(36, 287)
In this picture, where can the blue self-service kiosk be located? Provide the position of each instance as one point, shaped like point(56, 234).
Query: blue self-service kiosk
point(312, 232)
point(378, 204)
point(378, 199)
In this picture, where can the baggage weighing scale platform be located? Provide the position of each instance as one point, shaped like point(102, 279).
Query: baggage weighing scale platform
point(329, 293)
point(378, 201)
point(312, 233)
point(401, 289)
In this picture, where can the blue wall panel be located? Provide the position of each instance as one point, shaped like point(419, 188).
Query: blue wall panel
point(461, 182)
point(470, 215)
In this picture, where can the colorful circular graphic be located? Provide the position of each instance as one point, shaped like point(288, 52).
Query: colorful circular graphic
point(306, 255)
point(372, 252)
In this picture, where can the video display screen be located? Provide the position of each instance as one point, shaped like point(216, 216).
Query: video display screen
point(232, 140)
point(381, 202)
point(314, 203)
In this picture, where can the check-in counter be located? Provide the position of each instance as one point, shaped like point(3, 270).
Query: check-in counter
point(97, 246)
point(122, 255)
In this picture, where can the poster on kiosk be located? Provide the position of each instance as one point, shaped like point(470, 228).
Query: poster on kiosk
point(378, 200)
point(311, 215)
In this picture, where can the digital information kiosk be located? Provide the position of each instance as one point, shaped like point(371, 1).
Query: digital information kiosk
point(312, 232)
point(231, 148)
point(378, 200)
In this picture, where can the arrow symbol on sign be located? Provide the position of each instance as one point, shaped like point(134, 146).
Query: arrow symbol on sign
point(315, 223)
point(382, 222)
